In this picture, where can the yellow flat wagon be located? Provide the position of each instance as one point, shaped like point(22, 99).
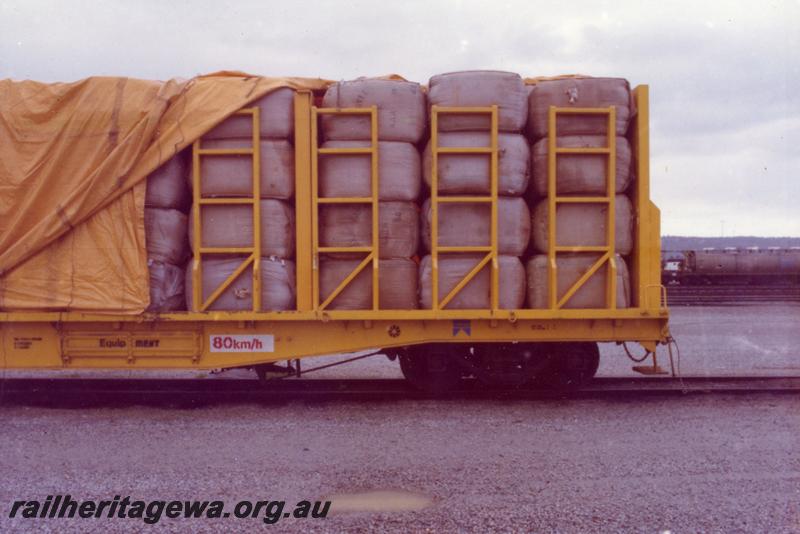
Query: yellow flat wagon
point(200, 339)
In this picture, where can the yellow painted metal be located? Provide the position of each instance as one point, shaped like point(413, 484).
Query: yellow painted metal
point(304, 253)
point(611, 212)
point(554, 199)
point(344, 200)
point(582, 200)
point(253, 252)
point(323, 250)
point(182, 339)
point(132, 345)
point(586, 150)
point(225, 151)
point(226, 250)
point(225, 201)
point(465, 150)
point(357, 150)
point(491, 251)
point(349, 278)
point(372, 251)
point(464, 200)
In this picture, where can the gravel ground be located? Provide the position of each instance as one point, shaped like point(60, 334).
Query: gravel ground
point(693, 464)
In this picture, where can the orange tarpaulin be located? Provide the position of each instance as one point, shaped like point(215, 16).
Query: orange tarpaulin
point(73, 159)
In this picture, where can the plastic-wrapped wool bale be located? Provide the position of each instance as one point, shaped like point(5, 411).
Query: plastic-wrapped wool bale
point(232, 226)
point(401, 123)
point(167, 197)
point(581, 173)
point(351, 226)
point(165, 235)
point(579, 93)
point(167, 291)
point(349, 175)
point(470, 224)
point(167, 186)
point(480, 88)
point(231, 176)
point(397, 284)
point(276, 111)
point(477, 293)
point(592, 294)
point(278, 285)
point(471, 173)
point(585, 225)
point(401, 110)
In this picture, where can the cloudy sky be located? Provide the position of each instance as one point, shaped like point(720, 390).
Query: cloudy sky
point(724, 76)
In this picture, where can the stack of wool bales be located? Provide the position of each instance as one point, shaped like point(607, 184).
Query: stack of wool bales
point(227, 176)
point(463, 224)
point(580, 175)
point(166, 202)
point(401, 124)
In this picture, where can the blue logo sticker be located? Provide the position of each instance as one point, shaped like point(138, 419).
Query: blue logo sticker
point(462, 325)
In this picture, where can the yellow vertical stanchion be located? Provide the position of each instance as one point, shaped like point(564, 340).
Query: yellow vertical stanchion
point(375, 208)
point(552, 267)
point(315, 206)
point(197, 241)
point(611, 191)
point(435, 206)
point(256, 209)
point(495, 290)
point(302, 194)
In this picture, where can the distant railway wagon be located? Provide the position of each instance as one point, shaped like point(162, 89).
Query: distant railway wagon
point(483, 226)
point(734, 266)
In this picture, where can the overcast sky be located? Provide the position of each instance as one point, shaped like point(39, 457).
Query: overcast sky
point(724, 76)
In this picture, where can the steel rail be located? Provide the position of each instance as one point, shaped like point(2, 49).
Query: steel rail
point(194, 392)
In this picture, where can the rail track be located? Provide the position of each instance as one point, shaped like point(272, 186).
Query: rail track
point(201, 392)
point(688, 295)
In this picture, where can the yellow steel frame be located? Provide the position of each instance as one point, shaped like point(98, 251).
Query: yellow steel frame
point(554, 199)
point(200, 303)
point(181, 339)
point(373, 249)
point(436, 249)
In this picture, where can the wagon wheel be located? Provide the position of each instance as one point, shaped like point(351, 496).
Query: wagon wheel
point(431, 368)
point(506, 365)
point(570, 365)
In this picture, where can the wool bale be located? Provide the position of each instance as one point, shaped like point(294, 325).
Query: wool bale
point(470, 224)
point(397, 284)
point(401, 110)
point(579, 93)
point(399, 171)
point(278, 288)
point(585, 225)
point(570, 268)
point(165, 235)
point(471, 173)
point(581, 173)
point(232, 176)
point(276, 113)
point(477, 293)
point(167, 185)
point(166, 287)
point(350, 225)
point(232, 226)
point(479, 88)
